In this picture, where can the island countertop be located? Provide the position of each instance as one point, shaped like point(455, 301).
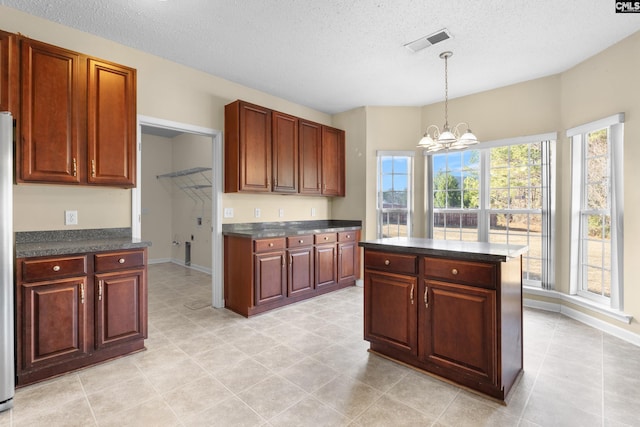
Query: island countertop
point(472, 251)
point(259, 230)
point(64, 242)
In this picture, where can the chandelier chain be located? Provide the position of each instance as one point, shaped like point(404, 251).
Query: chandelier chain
point(446, 92)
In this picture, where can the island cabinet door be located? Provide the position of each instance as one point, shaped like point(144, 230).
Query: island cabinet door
point(457, 330)
point(120, 301)
point(270, 277)
point(390, 310)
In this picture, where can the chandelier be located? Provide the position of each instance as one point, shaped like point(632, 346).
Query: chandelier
point(435, 139)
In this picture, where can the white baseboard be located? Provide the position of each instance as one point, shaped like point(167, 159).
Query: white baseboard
point(196, 267)
point(158, 260)
point(609, 328)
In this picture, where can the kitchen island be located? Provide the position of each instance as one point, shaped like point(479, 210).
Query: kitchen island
point(81, 299)
point(450, 308)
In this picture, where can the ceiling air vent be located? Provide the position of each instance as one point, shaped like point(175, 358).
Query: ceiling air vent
point(430, 40)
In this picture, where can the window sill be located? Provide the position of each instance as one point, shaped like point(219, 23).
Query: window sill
point(575, 300)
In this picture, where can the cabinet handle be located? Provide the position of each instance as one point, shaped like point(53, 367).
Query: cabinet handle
point(93, 168)
point(121, 261)
point(412, 285)
point(56, 268)
point(426, 297)
point(75, 167)
point(81, 293)
point(387, 262)
point(454, 271)
point(284, 261)
point(100, 290)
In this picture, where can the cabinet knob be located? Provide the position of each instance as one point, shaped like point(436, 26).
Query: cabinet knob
point(56, 268)
point(121, 260)
point(326, 238)
point(348, 236)
point(454, 271)
point(270, 244)
point(300, 241)
point(387, 262)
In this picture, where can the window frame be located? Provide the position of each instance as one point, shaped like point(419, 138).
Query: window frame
point(615, 142)
point(380, 211)
point(484, 210)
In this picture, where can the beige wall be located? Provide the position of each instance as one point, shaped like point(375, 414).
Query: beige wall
point(156, 196)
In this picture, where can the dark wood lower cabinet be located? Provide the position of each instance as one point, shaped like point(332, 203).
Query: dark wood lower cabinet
point(77, 310)
point(263, 274)
point(460, 320)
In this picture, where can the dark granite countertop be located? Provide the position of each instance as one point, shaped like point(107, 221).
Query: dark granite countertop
point(64, 242)
point(259, 230)
point(472, 251)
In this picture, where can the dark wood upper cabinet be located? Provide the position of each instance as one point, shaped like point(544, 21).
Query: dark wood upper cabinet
point(310, 142)
point(51, 114)
point(8, 72)
point(285, 153)
point(77, 121)
point(247, 148)
point(333, 163)
point(268, 151)
point(111, 124)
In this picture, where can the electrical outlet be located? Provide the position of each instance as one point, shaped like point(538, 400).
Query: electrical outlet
point(313, 211)
point(228, 212)
point(256, 212)
point(70, 217)
point(281, 212)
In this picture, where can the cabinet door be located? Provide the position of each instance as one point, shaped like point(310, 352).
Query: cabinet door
point(285, 153)
point(255, 148)
point(270, 277)
point(458, 329)
point(326, 266)
point(390, 310)
point(121, 309)
point(51, 113)
point(310, 158)
point(300, 277)
point(8, 72)
point(347, 262)
point(333, 167)
point(54, 322)
point(111, 124)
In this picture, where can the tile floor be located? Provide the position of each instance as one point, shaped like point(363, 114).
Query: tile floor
point(307, 365)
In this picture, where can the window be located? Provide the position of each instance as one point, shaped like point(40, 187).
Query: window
point(394, 193)
point(597, 210)
point(497, 193)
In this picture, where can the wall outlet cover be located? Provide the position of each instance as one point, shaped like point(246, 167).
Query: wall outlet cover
point(228, 212)
point(70, 217)
point(257, 212)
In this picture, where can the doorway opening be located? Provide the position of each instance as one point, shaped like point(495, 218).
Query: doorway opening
point(170, 129)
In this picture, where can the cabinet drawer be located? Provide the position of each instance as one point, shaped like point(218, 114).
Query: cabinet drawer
point(110, 261)
point(347, 236)
point(325, 238)
point(53, 268)
point(397, 263)
point(264, 245)
point(472, 273)
point(298, 241)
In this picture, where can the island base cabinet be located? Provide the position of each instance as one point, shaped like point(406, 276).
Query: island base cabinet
point(458, 330)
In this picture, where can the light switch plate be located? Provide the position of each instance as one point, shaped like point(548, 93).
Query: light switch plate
point(70, 217)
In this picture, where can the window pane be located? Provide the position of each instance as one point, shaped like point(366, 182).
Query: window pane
point(597, 196)
point(394, 178)
point(400, 165)
point(454, 198)
point(400, 182)
point(597, 143)
point(387, 165)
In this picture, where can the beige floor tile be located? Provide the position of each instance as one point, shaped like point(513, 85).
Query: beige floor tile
point(309, 411)
point(242, 375)
point(229, 412)
point(174, 375)
point(72, 413)
point(38, 397)
point(423, 393)
point(469, 411)
point(387, 412)
point(271, 396)
point(279, 357)
point(196, 396)
point(154, 412)
point(107, 374)
point(5, 418)
point(379, 373)
point(220, 357)
point(621, 408)
point(546, 410)
point(309, 374)
point(347, 396)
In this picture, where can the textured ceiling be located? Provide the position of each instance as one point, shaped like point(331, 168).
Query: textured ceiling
point(334, 55)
